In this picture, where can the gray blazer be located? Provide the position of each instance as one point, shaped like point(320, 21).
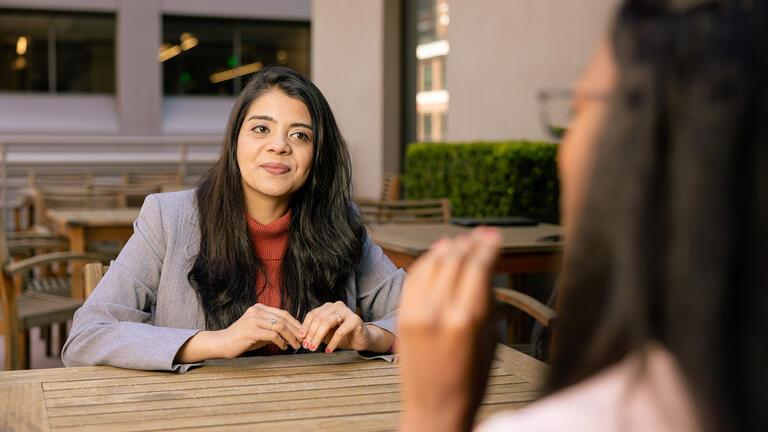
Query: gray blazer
point(148, 283)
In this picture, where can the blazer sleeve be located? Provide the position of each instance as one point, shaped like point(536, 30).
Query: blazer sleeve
point(378, 284)
point(112, 327)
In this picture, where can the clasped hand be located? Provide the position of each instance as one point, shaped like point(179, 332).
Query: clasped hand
point(332, 323)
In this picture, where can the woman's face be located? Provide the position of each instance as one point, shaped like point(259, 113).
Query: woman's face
point(576, 153)
point(275, 148)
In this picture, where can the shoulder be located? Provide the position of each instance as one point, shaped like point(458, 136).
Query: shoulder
point(170, 205)
point(638, 394)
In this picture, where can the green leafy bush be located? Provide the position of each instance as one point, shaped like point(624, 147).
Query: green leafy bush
point(485, 179)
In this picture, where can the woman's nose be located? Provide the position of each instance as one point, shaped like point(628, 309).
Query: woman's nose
point(279, 144)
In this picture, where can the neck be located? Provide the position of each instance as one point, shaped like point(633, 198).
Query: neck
point(266, 210)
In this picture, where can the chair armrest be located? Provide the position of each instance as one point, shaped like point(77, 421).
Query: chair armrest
point(538, 310)
point(38, 260)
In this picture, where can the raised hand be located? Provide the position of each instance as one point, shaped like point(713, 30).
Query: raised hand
point(445, 338)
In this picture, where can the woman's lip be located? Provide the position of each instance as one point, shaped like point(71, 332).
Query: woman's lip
point(275, 168)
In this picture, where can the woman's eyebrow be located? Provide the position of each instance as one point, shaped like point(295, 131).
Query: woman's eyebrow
point(301, 125)
point(261, 117)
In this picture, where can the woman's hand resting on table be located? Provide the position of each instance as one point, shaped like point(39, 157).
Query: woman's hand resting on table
point(332, 323)
point(339, 327)
point(260, 325)
point(446, 343)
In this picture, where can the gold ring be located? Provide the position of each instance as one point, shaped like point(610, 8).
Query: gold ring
point(338, 319)
point(272, 322)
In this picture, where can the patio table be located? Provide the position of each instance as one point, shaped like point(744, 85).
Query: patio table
point(83, 226)
point(524, 249)
point(307, 392)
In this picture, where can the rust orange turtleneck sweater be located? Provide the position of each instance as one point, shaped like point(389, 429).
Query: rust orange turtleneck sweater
point(269, 243)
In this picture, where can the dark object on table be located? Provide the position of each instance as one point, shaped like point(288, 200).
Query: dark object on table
point(499, 221)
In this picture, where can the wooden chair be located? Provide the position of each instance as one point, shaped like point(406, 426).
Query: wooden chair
point(158, 179)
point(93, 272)
point(23, 308)
point(59, 179)
point(410, 211)
point(129, 195)
point(511, 301)
point(390, 187)
point(73, 198)
point(525, 303)
point(37, 181)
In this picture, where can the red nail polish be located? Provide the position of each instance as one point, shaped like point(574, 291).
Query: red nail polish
point(301, 333)
point(313, 347)
point(304, 344)
point(328, 350)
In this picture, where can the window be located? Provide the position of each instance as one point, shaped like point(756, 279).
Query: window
point(57, 52)
point(432, 48)
point(204, 56)
point(427, 77)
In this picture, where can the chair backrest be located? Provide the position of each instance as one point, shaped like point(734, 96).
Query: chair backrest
point(390, 187)
point(59, 179)
point(73, 198)
point(409, 211)
point(93, 272)
point(130, 195)
point(60, 198)
point(158, 179)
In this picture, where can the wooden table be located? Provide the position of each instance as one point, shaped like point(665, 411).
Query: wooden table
point(305, 392)
point(89, 225)
point(522, 247)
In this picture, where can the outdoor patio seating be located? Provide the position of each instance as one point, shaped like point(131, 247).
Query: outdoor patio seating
point(407, 211)
point(22, 306)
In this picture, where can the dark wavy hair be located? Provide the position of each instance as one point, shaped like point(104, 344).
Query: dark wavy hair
point(673, 247)
point(325, 238)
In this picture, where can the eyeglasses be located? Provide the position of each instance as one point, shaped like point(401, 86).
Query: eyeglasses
point(556, 109)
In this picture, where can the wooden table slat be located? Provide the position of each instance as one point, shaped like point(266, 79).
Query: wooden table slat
point(305, 392)
point(163, 377)
point(20, 408)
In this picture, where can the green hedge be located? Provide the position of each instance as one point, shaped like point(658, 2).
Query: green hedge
point(484, 179)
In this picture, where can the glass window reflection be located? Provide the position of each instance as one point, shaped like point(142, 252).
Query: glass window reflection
point(57, 52)
point(203, 56)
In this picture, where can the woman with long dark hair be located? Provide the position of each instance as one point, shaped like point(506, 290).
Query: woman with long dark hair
point(267, 256)
point(665, 283)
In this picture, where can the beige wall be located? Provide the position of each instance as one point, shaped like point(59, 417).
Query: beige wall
point(355, 63)
point(503, 51)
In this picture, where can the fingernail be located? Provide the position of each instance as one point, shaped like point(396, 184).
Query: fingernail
point(328, 350)
point(301, 333)
point(305, 344)
point(313, 347)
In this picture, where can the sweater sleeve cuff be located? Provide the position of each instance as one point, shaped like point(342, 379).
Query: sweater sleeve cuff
point(171, 346)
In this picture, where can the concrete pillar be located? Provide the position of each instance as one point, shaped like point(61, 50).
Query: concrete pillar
point(503, 51)
point(139, 88)
point(356, 64)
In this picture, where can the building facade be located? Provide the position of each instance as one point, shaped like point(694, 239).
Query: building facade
point(102, 84)
point(110, 85)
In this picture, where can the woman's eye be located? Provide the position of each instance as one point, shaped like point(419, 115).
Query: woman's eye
point(260, 129)
point(301, 136)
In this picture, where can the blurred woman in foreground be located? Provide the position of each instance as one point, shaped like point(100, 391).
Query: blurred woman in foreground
point(665, 282)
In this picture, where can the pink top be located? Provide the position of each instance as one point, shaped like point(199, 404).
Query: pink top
point(624, 397)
